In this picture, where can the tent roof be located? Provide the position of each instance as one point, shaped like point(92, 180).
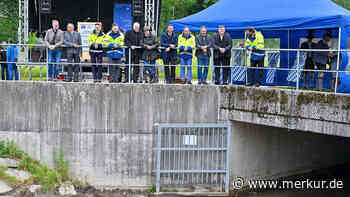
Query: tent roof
point(237, 15)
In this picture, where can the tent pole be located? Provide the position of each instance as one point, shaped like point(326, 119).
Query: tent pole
point(288, 48)
point(338, 61)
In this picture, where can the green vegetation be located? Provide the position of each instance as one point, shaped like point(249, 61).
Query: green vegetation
point(12, 181)
point(175, 9)
point(40, 173)
point(8, 19)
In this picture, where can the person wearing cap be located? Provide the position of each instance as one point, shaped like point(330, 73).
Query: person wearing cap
point(150, 54)
point(309, 63)
point(255, 45)
point(321, 58)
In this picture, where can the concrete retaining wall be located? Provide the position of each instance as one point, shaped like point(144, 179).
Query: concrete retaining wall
point(106, 130)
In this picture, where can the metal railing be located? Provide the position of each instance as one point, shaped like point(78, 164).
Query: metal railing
point(297, 67)
point(193, 154)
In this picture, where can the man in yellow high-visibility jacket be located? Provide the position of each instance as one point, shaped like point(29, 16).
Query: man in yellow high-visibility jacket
point(96, 39)
point(255, 44)
point(186, 45)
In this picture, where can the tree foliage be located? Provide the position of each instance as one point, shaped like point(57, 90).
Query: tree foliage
point(8, 19)
point(175, 9)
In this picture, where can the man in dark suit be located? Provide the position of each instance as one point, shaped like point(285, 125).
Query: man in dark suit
point(133, 42)
point(309, 63)
point(222, 44)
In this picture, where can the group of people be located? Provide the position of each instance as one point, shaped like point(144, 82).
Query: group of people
point(142, 46)
point(8, 57)
point(318, 60)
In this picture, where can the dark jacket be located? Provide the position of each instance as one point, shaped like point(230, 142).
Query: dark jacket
point(203, 41)
point(305, 45)
point(150, 54)
point(3, 57)
point(133, 38)
point(166, 41)
point(225, 43)
point(321, 57)
point(71, 38)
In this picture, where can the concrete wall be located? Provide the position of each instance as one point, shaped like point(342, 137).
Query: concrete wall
point(106, 130)
point(317, 112)
point(269, 152)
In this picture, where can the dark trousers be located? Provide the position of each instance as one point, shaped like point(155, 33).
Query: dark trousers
point(114, 70)
point(224, 63)
point(135, 64)
point(170, 69)
point(96, 59)
point(4, 72)
point(254, 64)
point(73, 58)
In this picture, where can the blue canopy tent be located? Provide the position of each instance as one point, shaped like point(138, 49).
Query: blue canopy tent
point(287, 20)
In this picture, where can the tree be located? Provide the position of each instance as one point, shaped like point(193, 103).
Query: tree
point(8, 19)
point(175, 9)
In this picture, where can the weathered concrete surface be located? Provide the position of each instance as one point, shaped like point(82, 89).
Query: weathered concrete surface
point(105, 131)
point(263, 152)
point(317, 112)
point(39, 106)
point(4, 188)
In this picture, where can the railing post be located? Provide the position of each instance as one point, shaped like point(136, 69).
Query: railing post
point(212, 66)
point(246, 66)
point(338, 62)
point(129, 77)
point(47, 64)
point(159, 137)
point(298, 69)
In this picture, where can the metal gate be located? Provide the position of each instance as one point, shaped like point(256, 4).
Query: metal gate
point(193, 154)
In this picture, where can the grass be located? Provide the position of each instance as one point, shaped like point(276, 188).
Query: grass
point(40, 173)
